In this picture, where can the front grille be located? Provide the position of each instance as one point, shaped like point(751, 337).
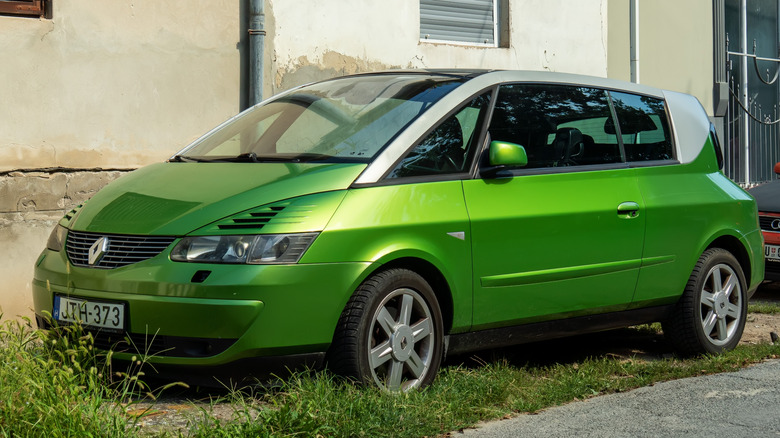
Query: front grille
point(122, 250)
point(766, 223)
point(773, 267)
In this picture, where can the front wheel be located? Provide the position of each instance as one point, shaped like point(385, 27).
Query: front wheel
point(710, 316)
point(390, 333)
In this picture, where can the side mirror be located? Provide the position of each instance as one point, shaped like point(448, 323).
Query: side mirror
point(507, 154)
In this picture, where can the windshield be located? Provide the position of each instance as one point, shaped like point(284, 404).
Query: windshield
point(346, 119)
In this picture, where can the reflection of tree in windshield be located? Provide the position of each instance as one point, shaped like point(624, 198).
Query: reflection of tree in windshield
point(553, 104)
point(449, 147)
point(528, 114)
point(344, 119)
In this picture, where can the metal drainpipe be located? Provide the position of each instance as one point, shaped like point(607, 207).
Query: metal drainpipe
point(634, 31)
point(256, 42)
point(744, 138)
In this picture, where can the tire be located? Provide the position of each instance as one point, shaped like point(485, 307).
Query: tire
point(390, 333)
point(711, 314)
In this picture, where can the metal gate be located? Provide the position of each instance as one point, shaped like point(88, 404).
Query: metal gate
point(752, 125)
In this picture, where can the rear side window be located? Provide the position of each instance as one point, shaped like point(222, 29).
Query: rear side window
point(644, 128)
point(558, 125)
point(716, 146)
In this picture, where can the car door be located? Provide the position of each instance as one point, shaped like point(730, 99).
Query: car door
point(563, 235)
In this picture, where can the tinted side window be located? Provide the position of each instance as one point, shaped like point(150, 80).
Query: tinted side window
point(643, 127)
point(450, 147)
point(558, 125)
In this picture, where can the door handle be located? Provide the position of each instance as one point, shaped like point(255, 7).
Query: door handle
point(628, 210)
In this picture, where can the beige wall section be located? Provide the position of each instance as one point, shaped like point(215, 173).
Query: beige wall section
point(27, 239)
point(618, 40)
point(351, 36)
point(115, 83)
point(675, 45)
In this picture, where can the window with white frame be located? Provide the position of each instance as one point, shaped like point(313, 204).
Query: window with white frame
point(471, 22)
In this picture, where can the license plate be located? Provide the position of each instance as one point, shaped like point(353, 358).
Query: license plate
point(90, 313)
point(772, 252)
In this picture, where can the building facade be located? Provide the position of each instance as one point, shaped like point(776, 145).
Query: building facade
point(97, 89)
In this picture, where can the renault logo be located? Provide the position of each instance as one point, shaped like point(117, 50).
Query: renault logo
point(97, 250)
point(776, 224)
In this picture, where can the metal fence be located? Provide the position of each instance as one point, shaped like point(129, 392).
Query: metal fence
point(752, 140)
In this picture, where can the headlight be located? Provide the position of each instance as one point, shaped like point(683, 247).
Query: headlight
point(57, 238)
point(254, 249)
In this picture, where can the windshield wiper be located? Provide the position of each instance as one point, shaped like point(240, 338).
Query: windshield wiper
point(251, 157)
point(184, 159)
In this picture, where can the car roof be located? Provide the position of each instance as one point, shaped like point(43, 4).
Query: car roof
point(504, 76)
point(689, 122)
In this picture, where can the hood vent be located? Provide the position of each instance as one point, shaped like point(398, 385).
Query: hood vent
point(69, 215)
point(254, 220)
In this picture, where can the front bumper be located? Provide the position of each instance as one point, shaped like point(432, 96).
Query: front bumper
point(175, 317)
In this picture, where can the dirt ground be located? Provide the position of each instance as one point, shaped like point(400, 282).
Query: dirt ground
point(759, 326)
point(171, 413)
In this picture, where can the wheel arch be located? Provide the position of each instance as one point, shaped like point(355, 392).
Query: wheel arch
point(432, 275)
point(738, 250)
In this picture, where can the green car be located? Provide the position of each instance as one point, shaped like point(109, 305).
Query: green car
point(377, 222)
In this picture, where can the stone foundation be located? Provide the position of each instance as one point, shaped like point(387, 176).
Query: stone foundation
point(31, 203)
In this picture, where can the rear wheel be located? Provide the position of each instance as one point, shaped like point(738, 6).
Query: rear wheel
point(710, 316)
point(390, 333)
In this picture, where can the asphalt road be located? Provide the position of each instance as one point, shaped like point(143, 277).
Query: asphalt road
point(745, 403)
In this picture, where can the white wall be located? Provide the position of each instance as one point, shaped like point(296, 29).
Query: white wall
point(350, 36)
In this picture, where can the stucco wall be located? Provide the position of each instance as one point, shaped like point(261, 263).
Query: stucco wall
point(119, 84)
point(350, 36)
point(103, 84)
point(115, 83)
point(31, 203)
point(675, 45)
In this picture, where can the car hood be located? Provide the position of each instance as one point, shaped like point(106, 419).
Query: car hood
point(177, 198)
point(767, 196)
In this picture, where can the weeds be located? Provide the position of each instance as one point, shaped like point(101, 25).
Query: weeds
point(56, 384)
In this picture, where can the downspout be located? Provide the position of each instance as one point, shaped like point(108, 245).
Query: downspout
point(256, 43)
point(634, 31)
point(744, 137)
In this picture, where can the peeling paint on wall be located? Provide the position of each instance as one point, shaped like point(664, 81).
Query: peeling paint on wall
point(332, 64)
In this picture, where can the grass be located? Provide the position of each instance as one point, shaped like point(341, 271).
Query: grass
point(56, 384)
point(765, 307)
point(60, 387)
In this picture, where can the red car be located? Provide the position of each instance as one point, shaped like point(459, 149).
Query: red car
point(768, 200)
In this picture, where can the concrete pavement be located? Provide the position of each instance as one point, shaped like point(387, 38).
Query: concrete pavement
point(745, 403)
